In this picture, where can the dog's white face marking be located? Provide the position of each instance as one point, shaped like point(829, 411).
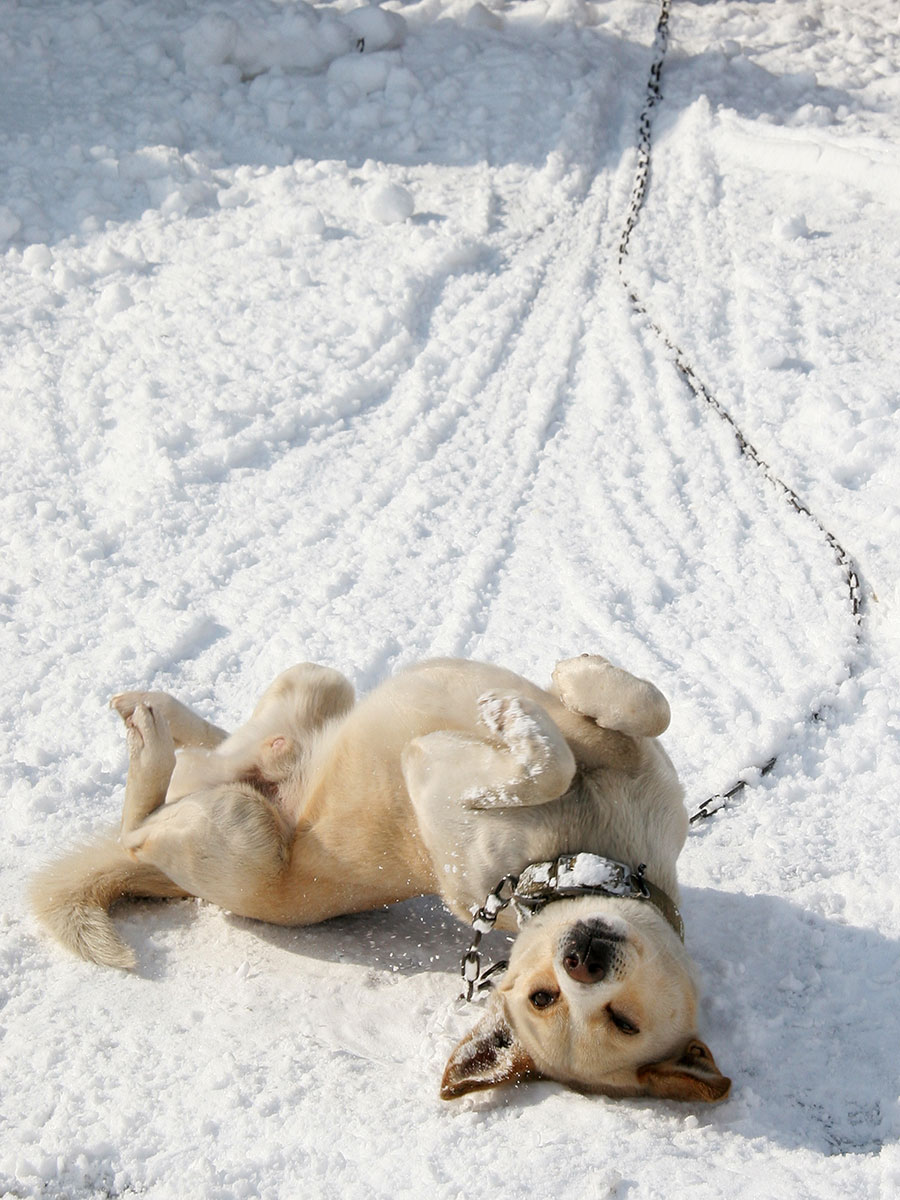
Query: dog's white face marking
point(598, 996)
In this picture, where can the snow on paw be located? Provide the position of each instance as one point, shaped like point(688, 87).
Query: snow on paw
point(522, 726)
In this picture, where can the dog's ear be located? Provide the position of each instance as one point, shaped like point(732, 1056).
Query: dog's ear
point(486, 1057)
point(692, 1075)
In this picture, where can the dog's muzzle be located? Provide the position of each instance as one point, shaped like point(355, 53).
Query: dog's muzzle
point(591, 951)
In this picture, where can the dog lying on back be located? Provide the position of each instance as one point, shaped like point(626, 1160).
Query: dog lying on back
point(447, 778)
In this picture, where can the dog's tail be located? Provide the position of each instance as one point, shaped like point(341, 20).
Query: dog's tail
point(71, 898)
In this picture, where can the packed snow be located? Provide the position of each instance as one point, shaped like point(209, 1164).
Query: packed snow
point(313, 347)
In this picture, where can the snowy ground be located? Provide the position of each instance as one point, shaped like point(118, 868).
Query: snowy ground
point(312, 354)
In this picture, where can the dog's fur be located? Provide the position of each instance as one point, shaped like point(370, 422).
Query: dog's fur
point(446, 778)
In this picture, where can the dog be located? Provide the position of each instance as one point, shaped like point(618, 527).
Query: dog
point(448, 778)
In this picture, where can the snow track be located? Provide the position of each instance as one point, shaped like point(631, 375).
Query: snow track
point(260, 414)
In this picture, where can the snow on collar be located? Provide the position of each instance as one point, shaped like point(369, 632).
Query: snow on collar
point(573, 875)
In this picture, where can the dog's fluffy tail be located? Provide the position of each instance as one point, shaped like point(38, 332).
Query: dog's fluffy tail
point(71, 898)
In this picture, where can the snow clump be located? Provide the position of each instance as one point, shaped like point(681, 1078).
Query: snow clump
point(788, 228)
point(389, 203)
point(376, 28)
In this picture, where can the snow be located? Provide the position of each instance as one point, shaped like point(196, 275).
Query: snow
point(389, 203)
point(250, 422)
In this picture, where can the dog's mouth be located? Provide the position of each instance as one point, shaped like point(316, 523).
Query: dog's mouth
point(592, 951)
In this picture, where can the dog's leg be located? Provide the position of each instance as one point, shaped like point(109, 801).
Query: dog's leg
point(612, 697)
point(151, 761)
point(187, 727)
point(298, 703)
point(464, 790)
point(304, 697)
point(228, 845)
point(523, 759)
point(224, 843)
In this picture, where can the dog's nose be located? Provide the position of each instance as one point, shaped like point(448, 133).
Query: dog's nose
point(587, 954)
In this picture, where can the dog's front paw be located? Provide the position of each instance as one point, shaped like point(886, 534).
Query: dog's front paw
point(151, 749)
point(570, 676)
point(613, 697)
point(521, 725)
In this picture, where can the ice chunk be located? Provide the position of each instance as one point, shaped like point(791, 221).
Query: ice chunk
point(297, 39)
point(38, 257)
point(310, 221)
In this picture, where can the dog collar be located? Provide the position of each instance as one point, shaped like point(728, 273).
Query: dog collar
point(563, 878)
point(573, 875)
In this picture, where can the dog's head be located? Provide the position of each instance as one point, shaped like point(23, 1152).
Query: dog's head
point(598, 995)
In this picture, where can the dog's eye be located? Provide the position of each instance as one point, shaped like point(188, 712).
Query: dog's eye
point(542, 999)
point(622, 1023)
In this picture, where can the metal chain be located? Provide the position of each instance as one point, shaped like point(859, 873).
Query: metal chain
point(702, 391)
point(642, 170)
point(483, 922)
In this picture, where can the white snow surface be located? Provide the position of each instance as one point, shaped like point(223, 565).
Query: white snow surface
point(250, 422)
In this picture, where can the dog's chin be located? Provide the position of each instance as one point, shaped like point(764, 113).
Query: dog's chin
point(600, 929)
point(607, 919)
point(626, 922)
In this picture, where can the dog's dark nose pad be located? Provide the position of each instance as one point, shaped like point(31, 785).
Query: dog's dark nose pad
point(586, 959)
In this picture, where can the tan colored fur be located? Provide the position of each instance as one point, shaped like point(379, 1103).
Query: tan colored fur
point(446, 778)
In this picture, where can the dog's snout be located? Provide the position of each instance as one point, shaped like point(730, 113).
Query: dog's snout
point(589, 952)
point(588, 963)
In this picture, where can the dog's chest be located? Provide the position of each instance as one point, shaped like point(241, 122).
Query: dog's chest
point(627, 822)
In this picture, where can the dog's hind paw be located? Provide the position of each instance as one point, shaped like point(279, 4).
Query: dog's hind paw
point(150, 745)
point(188, 729)
point(124, 703)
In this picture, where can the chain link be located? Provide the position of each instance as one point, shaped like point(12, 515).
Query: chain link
point(483, 922)
point(703, 393)
point(645, 129)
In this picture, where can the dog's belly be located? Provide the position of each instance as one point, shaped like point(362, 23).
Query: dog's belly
point(355, 820)
point(360, 820)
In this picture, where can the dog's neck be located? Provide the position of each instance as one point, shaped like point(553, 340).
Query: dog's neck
point(572, 875)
